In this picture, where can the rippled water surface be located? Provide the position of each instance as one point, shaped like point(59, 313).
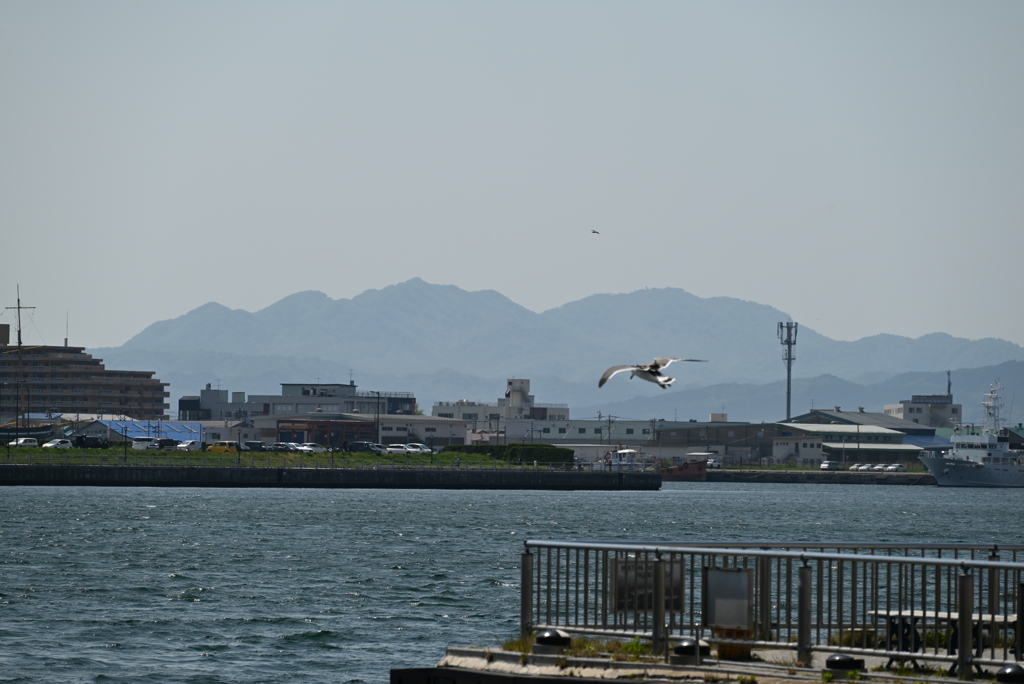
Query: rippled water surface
point(241, 585)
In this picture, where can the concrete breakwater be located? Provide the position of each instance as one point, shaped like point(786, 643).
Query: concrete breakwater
point(820, 477)
point(339, 478)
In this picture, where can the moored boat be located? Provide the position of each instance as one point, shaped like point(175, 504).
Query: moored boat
point(692, 467)
point(979, 460)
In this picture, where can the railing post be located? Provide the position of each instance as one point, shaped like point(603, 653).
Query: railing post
point(965, 624)
point(764, 598)
point(993, 584)
point(658, 628)
point(1018, 633)
point(526, 593)
point(803, 628)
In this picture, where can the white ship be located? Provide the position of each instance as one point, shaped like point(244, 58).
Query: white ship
point(979, 460)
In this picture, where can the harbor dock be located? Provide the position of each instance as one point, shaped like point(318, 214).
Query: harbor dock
point(326, 478)
point(820, 477)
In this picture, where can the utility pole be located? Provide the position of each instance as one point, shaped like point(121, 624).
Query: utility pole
point(787, 336)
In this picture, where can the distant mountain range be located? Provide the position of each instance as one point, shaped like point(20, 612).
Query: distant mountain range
point(444, 343)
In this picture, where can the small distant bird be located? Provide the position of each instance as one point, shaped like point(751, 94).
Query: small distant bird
point(650, 372)
point(594, 231)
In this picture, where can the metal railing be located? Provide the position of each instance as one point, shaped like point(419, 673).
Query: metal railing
point(957, 605)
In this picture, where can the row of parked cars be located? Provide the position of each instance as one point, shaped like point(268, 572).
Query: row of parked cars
point(413, 448)
point(168, 444)
point(33, 442)
point(866, 467)
point(276, 447)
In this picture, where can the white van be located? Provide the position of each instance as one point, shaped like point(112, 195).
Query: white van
point(24, 441)
point(144, 443)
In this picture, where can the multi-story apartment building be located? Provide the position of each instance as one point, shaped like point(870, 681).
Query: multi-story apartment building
point(66, 380)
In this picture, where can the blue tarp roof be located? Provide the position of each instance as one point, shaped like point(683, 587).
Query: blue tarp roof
point(141, 428)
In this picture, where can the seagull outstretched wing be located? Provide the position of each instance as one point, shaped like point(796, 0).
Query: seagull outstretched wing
point(612, 371)
point(663, 361)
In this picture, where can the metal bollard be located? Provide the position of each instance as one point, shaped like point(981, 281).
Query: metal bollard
point(526, 593)
point(965, 624)
point(803, 626)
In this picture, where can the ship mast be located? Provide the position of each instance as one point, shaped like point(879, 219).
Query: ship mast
point(992, 406)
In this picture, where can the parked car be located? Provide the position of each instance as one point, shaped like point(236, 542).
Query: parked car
point(256, 446)
point(281, 447)
point(397, 449)
point(829, 465)
point(315, 448)
point(223, 448)
point(415, 448)
point(164, 444)
point(364, 446)
point(864, 468)
point(91, 442)
point(24, 441)
point(878, 467)
point(58, 444)
point(300, 448)
point(712, 463)
point(855, 466)
point(189, 445)
point(143, 442)
point(895, 468)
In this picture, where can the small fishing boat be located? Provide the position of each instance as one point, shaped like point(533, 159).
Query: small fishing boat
point(692, 467)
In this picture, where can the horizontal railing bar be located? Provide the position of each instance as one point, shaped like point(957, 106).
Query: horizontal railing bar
point(794, 555)
point(899, 655)
point(789, 545)
point(594, 631)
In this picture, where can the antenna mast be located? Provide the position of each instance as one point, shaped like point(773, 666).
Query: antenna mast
point(21, 362)
point(787, 336)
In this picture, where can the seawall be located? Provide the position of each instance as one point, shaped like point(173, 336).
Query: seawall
point(385, 478)
point(820, 477)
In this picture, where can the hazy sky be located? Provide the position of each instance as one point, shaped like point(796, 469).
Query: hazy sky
point(858, 165)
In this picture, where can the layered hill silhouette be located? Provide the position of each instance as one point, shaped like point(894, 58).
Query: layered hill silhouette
point(445, 343)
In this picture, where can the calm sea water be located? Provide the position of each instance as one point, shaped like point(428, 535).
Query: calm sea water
point(241, 585)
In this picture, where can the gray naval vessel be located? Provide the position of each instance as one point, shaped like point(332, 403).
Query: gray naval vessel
point(982, 459)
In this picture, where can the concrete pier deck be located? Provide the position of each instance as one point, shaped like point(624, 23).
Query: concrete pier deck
point(496, 666)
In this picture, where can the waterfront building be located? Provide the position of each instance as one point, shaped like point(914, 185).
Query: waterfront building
point(296, 399)
point(914, 433)
point(734, 443)
point(335, 429)
point(51, 380)
point(933, 410)
point(119, 430)
point(517, 404)
point(810, 443)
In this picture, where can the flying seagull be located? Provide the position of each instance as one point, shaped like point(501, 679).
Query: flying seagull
point(650, 372)
point(594, 231)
